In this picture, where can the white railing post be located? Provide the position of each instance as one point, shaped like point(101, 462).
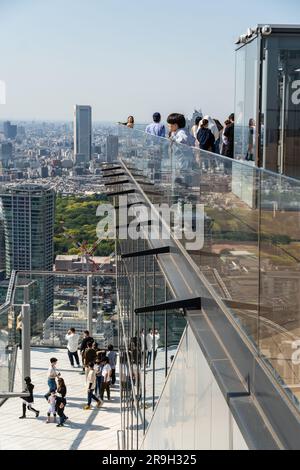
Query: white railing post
point(25, 341)
point(89, 301)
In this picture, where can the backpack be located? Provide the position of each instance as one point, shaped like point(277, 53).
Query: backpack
point(205, 139)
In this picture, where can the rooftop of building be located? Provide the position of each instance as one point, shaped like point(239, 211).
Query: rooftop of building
point(96, 259)
point(94, 429)
point(24, 188)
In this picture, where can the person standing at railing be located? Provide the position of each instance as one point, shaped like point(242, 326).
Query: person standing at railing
point(156, 127)
point(229, 133)
point(177, 132)
point(224, 138)
point(219, 138)
point(212, 126)
point(205, 137)
point(73, 339)
point(195, 128)
point(129, 123)
point(184, 159)
point(28, 401)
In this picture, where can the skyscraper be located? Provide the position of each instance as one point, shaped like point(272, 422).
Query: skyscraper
point(2, 247)
point(10, 131)
point(6, 150)
point(112, 148)
point(27, 212)
point(83, 132)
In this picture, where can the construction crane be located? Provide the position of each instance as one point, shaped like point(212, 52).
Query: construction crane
point(85, 251)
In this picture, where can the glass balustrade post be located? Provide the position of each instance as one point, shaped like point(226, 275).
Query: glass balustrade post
point(89, 302)
point(25, 341)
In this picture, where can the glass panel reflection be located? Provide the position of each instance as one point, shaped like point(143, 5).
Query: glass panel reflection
point(249, 229)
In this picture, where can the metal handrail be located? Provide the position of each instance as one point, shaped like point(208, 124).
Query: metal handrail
point(10, 293)
point(6, 395)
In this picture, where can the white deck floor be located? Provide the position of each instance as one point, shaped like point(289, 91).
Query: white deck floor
point(90, 430)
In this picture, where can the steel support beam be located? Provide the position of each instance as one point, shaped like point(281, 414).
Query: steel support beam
point(191, 303)
point(154, 251)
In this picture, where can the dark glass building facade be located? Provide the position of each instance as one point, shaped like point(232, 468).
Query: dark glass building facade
point(27, 213)
point(267, 98)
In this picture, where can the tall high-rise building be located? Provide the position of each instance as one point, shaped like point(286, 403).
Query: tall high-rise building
point(21, 131)
point(112, 148)
point(6, 151)
point(27, 212)
point(10, 131)
point(83, 132)
point(2, 247)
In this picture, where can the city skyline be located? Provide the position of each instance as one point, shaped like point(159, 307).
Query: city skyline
point(122, 54)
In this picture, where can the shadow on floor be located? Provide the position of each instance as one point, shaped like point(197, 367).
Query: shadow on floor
point(84, 428)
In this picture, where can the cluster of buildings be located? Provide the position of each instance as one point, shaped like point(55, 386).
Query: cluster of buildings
point(37, 161)
point(56, 293)
point(30, 151)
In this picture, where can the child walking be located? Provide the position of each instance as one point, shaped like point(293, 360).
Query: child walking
point(28, 401)
point(51, 409)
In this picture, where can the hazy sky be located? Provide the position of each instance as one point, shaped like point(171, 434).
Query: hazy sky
point(125, 57)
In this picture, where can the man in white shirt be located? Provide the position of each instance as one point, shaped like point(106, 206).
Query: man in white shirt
point(73, 338)
point(149, 345)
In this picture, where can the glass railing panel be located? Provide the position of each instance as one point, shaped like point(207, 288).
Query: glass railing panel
point(159, 352)
point(104, 312)
point(149, 159)
point(279, 319)
point(9, 341)
point(57, 303)
point(60, 301)
point(247, 251)
point(6, 347)
point(145, 365)
point(229, 256)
